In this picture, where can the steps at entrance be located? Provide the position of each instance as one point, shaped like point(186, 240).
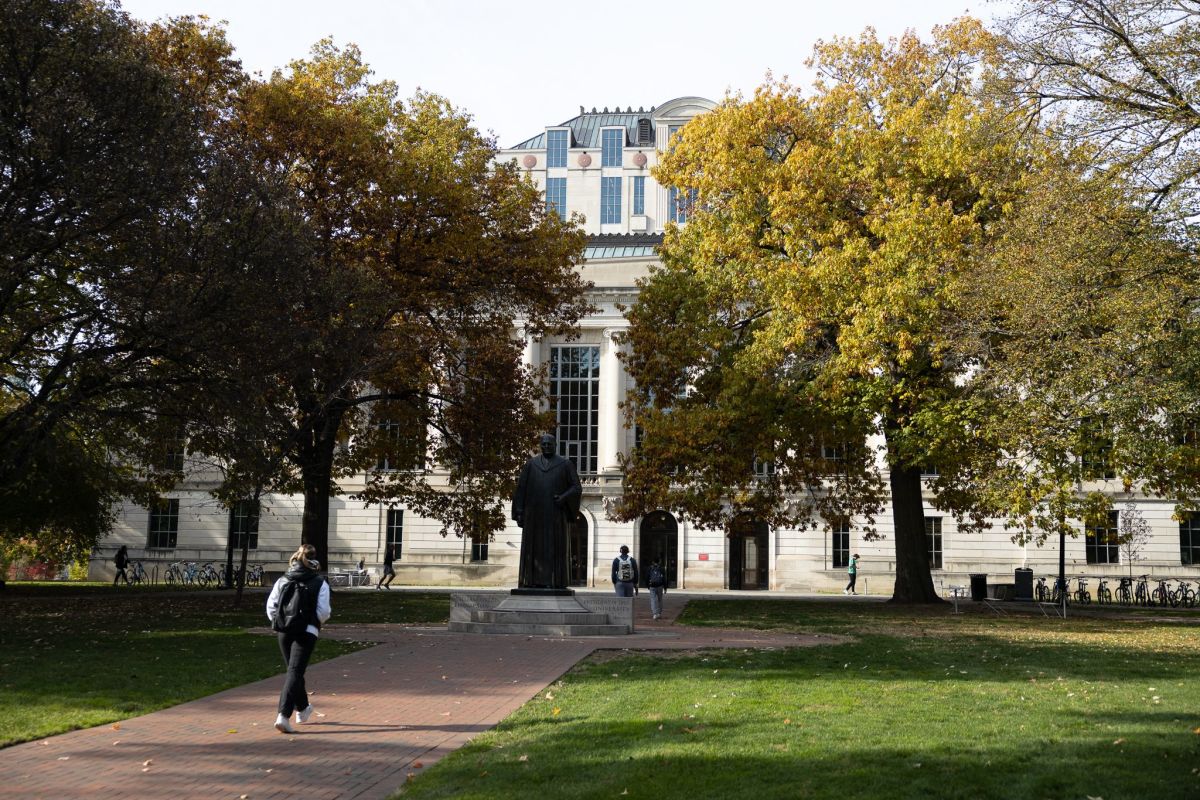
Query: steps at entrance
point(564, 614)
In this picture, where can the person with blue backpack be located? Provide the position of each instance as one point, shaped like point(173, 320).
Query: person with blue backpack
point(298, 605)
point(656, 582)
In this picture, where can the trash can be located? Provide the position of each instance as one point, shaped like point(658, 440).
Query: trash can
point(1023, 578)
point(979, 586)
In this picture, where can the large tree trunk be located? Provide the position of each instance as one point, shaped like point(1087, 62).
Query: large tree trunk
point(914, 582)
point(316, 471)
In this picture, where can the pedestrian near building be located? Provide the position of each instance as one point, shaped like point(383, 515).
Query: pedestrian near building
point(656, 582)
point(852, 571)
point(389, 572)
point(298, 605)
point(121, 560)
point(625, 573)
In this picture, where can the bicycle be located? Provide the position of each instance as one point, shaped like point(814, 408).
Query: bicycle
point(254, 575)
point(1103, 593)
point(1142, 593)
point(1161, 596)
point(207, 575)
point(175, 573)
point(137, 573)
point(1184, 595)
point(1042, 591)
point(1125, 592)
point(1062, 591)
point(1082, 595)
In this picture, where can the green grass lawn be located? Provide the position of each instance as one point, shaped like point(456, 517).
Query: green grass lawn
point(923, 704)
point(74, 656)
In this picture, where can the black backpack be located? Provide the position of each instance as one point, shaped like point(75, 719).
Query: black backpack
point(655, 576)
point(297, 606)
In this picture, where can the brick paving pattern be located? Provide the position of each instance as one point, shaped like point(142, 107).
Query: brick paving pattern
point(382, 714)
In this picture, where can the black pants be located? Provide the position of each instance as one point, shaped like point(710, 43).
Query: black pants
point(296, 649)
point(850, 585)
point(120, 574)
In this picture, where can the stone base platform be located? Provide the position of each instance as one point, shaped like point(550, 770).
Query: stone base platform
point(541, 615)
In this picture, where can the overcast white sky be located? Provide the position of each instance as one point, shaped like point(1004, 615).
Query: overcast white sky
point(517, 67)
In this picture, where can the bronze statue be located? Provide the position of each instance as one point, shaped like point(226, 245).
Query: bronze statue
point(546, 500)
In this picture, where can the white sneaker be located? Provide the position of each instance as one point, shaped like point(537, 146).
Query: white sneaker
point(303, 716)
point(282, 725)
point(845, 591)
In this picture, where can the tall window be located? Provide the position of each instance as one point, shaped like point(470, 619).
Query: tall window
point(395, 531)
point(933, 536)
point(610, 200)
point(1189, 540)
point(671, 131)
point(479, 548)
point(401, 445)
point(243, 525)
point(575, 397)
point(679, 204)
point(1101, 544)
point(556, 196)
point(763, 469)
point(164, 524)
point(1096, 456)
point(612, 141)
point(556, 148)
point(841, 543)
point(639, 194)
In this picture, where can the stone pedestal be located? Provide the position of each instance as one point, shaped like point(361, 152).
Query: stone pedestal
point(541, 613)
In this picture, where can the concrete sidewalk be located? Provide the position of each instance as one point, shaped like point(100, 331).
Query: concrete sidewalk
point(382, 714)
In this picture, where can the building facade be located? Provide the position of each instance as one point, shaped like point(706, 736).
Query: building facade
point(597, 165)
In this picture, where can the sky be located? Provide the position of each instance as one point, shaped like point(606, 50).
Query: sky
point(518, 67)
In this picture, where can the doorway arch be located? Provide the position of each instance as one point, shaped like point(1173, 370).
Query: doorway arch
point(658, 542)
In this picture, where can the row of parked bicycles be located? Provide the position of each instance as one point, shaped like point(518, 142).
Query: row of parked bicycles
point(1140, 591)
point(191, 573)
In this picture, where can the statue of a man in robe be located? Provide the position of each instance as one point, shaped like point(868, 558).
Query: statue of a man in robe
point(546, 500)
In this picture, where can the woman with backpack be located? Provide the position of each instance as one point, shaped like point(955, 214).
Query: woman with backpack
point(298, 605)
point(121, 560)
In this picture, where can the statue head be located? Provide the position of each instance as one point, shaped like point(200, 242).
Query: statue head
point(548, 444)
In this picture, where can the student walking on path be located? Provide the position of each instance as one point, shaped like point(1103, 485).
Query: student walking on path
point(121, 560)
point(389, 572)
point(625, 573)
point(298, 605)
point(656, 582)
point(852, 570)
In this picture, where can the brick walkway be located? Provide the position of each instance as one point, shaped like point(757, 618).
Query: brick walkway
point(387, 711)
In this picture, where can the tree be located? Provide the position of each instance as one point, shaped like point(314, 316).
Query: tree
point(811, 299)
point(123, 216)
point(421, 254)
point(1122, 75)
point(1133, 536)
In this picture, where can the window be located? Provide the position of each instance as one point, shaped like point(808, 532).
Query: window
point(930, 471)
point(164, 524)
point(556, 196)
point(610, 201)
point(679, 206)
point(395, 531)
point(1189, 540)
point(243, 525)
point(639, 194)
point(1096, 454)
point(1101, 542)
point(401, 445)
point(671, 131)
point(556, 148)
point(763, 469)
point(612, 140)
point(479, 549)
point(933, 534)
point(575, 398)
point(841, 543)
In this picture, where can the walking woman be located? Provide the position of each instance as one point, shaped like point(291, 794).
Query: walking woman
point(121, 560)
point(298, 604)
point(389, 572)
point(852, 571)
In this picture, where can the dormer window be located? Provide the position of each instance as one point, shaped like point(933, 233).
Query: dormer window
point(556, 148)
point(645, 134)
point(612, 144)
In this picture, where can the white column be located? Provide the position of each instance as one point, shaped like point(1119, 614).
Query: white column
point(610, 400)
point(532, 356)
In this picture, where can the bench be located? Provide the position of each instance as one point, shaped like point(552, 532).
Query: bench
point(349, 577)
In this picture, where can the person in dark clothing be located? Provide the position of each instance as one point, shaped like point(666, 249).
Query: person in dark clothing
point(121, 560)
point(389, 572)
point(656, 582)
point(297, 647)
